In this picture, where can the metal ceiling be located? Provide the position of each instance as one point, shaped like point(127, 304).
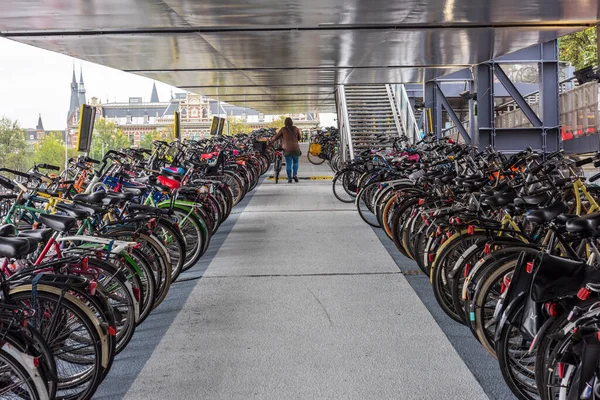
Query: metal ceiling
point(287, 56)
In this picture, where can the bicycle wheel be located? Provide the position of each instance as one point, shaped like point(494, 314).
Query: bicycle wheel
point(339, 187)
point(315, 160)
point(277, 167)
point(74, 335)
point(175, 244)
point(364, 204)
point(17, 377)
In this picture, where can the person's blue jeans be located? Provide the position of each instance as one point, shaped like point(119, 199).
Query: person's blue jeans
point(291, 163)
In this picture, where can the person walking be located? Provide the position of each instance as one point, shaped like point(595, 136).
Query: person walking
point(291, 149)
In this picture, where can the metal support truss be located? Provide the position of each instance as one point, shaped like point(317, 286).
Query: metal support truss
point(436, 100)
point(457, 122)
point(544, 133)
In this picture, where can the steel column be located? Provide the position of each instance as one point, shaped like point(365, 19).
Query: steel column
point(431, 102)
point(473, 133)
point(484, 81)
point(550, 95)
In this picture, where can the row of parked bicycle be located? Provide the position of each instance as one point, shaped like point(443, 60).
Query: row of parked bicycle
point(88, 254)
point(324, 145)
point(510, 244)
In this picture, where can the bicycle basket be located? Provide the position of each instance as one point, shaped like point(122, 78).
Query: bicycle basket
point(260, 146)
point(315, 149)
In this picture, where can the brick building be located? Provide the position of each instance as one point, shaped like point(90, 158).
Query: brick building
point(137, 117)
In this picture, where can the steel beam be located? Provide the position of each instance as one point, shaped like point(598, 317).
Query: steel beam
point(513, 140)
point(517, 96)
point(459, 76)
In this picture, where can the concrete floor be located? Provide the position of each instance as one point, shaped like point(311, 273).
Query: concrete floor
point(298, 299)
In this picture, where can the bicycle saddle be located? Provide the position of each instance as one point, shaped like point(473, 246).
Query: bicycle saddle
point(115, 198)
point(136, 191)
point(7, 230)
point(500, 201)
point(92, 198)
point(171, 174)
point(42, 235)
point(586, 225)
point(90, 208)
point(73, 212)
point(58, 222)
point(546, 214)
point(532, 200)
point(13, 247)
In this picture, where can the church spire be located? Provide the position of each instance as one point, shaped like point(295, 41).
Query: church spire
point(74, 104)
point(81, 93)
point(154, 95)
point(40, 125)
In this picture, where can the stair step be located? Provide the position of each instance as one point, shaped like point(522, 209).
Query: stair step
point(371, 121)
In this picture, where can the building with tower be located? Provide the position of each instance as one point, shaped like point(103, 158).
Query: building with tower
point(138, 118)
point(34, 135)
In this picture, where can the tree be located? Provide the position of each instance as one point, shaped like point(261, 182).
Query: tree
point(277, 123)
point(107, 137)
point(50, 149)
point(580, 48)
point(236, 126)
point(148, 138)
point(13, 146)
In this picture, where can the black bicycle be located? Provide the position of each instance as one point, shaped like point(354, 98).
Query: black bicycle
point(278, 163)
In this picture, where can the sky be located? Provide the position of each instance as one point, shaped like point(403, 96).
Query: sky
point(34, 81)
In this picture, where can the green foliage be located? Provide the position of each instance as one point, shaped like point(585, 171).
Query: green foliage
point(50, 149)
point(107, 137)
point(13, 146)
point(579, 48)
point(236, 126)
point(146, 142)
point(278, 123)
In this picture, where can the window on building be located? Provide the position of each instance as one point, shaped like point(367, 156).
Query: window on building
point(128, 119)
point(204, 113)
point(146, 119)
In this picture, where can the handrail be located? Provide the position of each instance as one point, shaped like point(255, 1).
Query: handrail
point(394, 108)
point(345, 120)
point(411, 114)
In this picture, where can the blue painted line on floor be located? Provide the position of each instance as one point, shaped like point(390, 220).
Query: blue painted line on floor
point(130, 362)
point(483, 366)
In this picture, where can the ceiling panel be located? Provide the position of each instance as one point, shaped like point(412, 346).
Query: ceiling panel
point(289, 54)
point(296, 49)
point(36, 15)
point(262, 13)
point(135, 52)
point(393, 75)
point(220, 91)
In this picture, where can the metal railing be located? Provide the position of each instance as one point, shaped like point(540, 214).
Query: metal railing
point(579, 113)
point(344, 125)
point(411, 125)
point(395, 110)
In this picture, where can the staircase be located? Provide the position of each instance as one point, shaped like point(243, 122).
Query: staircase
point(372, 117)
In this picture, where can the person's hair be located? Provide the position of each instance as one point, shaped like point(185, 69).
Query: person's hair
point(289, 123)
